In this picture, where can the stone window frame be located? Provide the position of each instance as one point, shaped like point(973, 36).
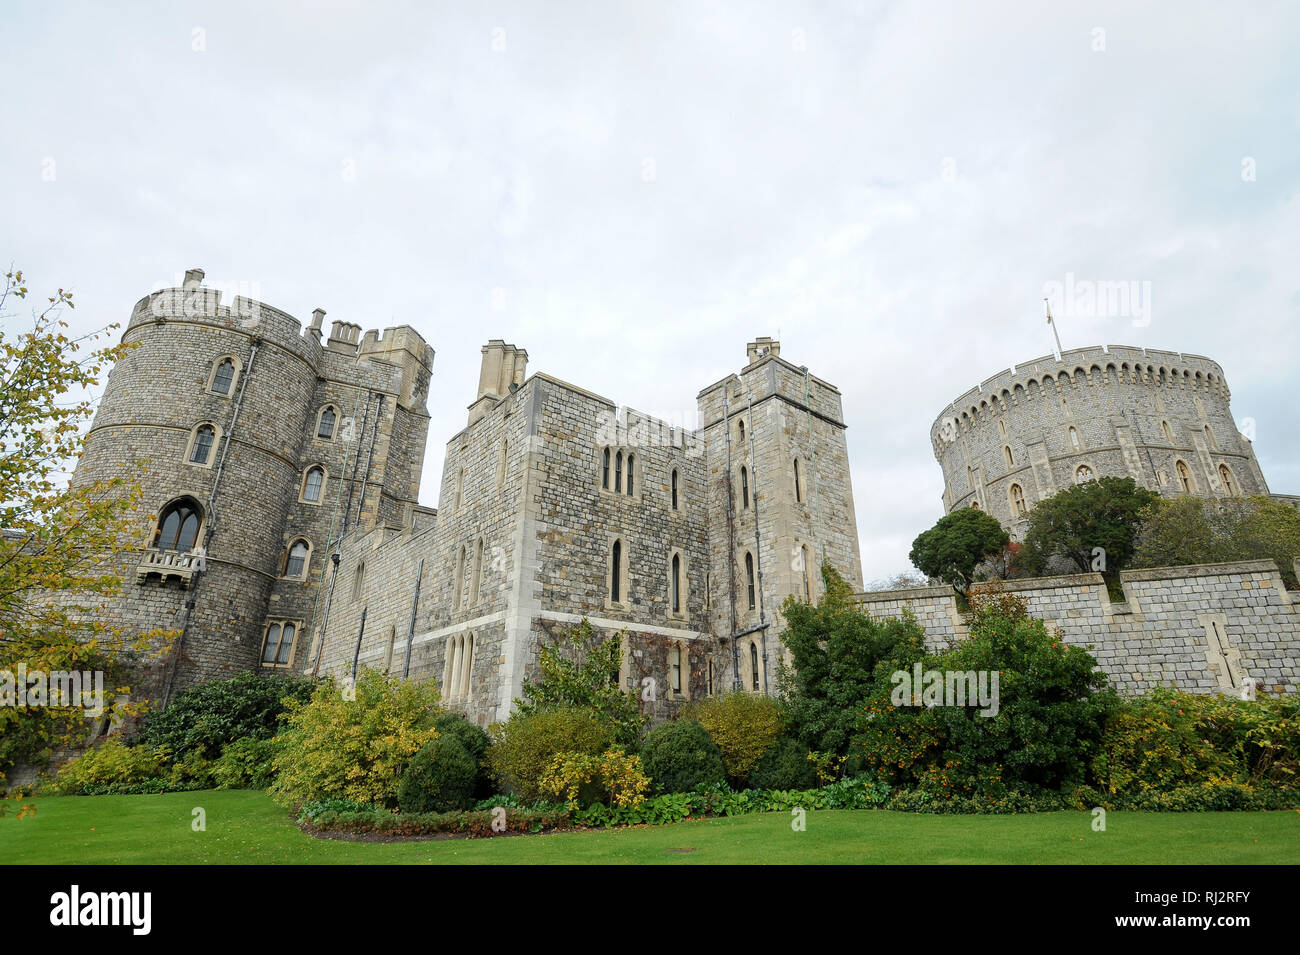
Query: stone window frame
point(709, 677)
point(751, 582)
point(155, 532)
point(675, 489)
point(679, 656)
point(238, 364)
point(799, 494)
point(803, 557)
point(625, 464)
point(624, 603)
point(388, 650)
point(476, 574)
point(212, 452)
point(458, 595)
point(1008, 457)
point(1228, 480)
point(1018, 505)
point(302, 486)
point(503, 451)
point(459, 496)
point(683, 584)
point(744, 487)
point(1210, 439)
point(753, 659)
point(1185, 476)
point(1076, 442)
point(288, 555)
point(1092, 472)
point(334, 431)
point(1167, 430)
point(359, 580)
point(281, 622)
point(458, 666)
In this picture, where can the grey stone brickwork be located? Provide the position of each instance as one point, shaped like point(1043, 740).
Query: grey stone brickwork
point(1162, 418)
point(250, 490)
point(1204, 628)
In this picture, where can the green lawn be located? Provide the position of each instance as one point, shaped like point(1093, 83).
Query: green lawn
point(246, 827)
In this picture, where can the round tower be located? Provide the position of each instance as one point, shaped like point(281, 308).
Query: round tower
point(1159, 417)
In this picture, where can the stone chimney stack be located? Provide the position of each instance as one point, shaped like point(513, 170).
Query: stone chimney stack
point(193, 279)
point(317, 316)
point(762, 347)
point(503, 366)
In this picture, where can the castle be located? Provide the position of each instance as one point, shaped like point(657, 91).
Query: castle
point(1161, 418)
point(283, 531)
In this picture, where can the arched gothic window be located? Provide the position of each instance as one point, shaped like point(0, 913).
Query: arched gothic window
point(313, 484)
point(325, 427)
point(295, 561)
point(201, 446)
point(178, 526)
point(749, 577)
point(1017, 499)
point(223, 376)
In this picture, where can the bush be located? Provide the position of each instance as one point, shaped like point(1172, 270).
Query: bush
point(208, 716)
point(336, 747)
point(245, 764)
point(476, 742)
point(1051, 705)
point(1170, 740)
point(112, 764)
point(613, 779)
point(580, 670)
point(523, 747)
point(785, 766)
point(440, 778)
point(680, 757)
point(742, 725)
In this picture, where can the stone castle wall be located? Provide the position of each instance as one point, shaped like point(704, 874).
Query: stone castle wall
point(1204, 627)
point(1134, 412)
point(249, 488)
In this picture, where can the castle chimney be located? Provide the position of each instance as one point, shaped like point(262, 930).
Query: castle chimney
point(317, 316)
point(193, 279)
point(503, 365)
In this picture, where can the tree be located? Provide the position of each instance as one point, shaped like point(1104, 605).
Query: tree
point(1192, 530)
point(956, 544)
point(834, 649)
point(55, 538)
point(581, 670)
point(1091, 526)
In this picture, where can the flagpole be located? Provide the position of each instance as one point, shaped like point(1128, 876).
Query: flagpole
point(1055, 335)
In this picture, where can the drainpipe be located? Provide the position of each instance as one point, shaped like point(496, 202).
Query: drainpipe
point(758, 551)
point(731, 543)
point(356, 654)
point(415, 604)
point(370, 456)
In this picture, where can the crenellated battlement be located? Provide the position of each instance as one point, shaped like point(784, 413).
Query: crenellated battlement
point(1077, 368)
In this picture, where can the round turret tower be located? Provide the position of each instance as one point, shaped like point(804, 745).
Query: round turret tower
point(257, 438)
point(1159, 417)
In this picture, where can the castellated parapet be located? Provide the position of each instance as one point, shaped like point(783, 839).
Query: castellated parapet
point(258, 438)
point(1162, 418)
point(1206, 628)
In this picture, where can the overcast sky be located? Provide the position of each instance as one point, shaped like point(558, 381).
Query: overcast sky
point(633, 191)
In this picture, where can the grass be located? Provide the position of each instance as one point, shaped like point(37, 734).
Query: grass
point(247, 827)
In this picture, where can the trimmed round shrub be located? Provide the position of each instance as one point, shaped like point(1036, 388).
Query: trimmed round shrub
point(476, 741)
point(680, 757)
point(524, 746)
point(441, 778)
point(784, 766)
point(208, 716)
